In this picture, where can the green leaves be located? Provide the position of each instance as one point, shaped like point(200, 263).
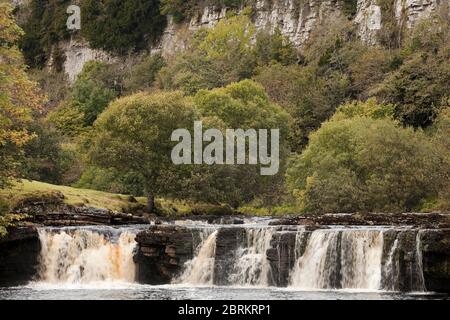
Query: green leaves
point(363, 164)
point(121, 25)
point(91, 98)
point(19, 97)
point(225, 54)
point(133, 136)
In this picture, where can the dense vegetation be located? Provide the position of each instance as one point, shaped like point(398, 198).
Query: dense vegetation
point(118, 26)
point(45, 26)
point(364, 128)
point(19, 99)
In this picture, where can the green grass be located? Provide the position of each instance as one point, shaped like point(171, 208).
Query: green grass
point(24, 189)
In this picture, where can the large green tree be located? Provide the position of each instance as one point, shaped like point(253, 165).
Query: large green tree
point(244, 105)
point(134, 136)
point(363, 161)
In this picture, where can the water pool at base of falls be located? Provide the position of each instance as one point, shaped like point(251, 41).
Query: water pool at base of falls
point(96, 263)
point(123, 291)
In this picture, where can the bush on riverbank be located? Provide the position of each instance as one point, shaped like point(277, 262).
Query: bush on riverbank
point(371, 165)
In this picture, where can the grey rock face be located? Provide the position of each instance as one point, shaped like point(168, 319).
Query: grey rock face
point(162, 253)
point(436, 259)
point(295, 19)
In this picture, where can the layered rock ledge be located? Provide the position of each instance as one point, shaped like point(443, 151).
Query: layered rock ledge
point(53, 211)
point(420, 241)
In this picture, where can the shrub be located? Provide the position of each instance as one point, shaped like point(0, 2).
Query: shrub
point(143, 74)
point(362, 164)
point(112, 181)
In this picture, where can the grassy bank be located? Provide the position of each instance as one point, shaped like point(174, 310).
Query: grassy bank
point(22, 190)
point(78, 197)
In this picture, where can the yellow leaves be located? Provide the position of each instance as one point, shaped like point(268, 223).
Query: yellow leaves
point(236, 32)
point(10, 32)
point(7, 221)
point(19, 97)
point(18, 138)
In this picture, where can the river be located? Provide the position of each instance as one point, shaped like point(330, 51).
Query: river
point(96, 263)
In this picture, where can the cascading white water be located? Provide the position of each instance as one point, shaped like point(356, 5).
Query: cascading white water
point(251, 267)
point(392, 268)
point(357, 259)
point(420, 287)
point(312, 269)
point(349, 259)
point(361, 259)
point(83, 256)
point(200, 270)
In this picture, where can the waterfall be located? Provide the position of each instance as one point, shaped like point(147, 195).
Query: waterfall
point(361, 259)
point(83, 256)
point(314, 269)
point(420, 286)
point(358, 259)
point(371, 258)
point(251, 267)
point(200, 270)
point(392, 268)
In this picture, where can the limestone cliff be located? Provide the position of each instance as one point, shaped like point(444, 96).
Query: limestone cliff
point(296, 19)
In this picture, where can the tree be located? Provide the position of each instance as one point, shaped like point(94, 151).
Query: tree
point(225, 54)
point(44, 156)
point(421, 81)
point(365, 164)
point(134, 136)
point(143, 74)
point(217, 57)
point(45, 26)
point(91, 99)
point(417, 88)
point(121, 26)
point(274, 48)
point(244, 105)
point(440, 136)
point(18, 98)
point(309, 98)
point(96, 86)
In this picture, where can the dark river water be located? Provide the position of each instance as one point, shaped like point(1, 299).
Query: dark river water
point(142, 292)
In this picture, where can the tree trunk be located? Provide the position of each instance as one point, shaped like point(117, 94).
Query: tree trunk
point(150, 203)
